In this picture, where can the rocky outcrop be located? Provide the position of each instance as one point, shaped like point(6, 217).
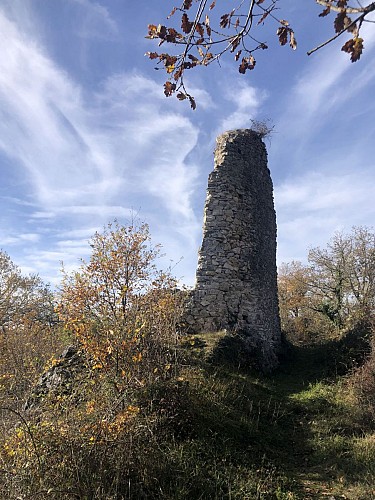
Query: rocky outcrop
point(58, 379)
point(236, 279)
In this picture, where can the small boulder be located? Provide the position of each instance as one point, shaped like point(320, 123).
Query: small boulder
point(59, 378)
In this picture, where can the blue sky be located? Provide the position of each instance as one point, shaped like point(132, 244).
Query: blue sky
point(86, 134)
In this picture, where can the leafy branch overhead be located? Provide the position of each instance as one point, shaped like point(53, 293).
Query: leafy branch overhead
point(201, 34)
point(206, 35)
point(348, 19)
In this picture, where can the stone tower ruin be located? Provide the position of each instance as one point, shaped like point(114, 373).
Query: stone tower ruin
point(236, 279)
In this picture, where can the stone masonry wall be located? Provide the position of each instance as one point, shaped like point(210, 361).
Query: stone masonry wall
point(236, 279)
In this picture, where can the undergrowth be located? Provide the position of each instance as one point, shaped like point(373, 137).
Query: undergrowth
point(203, 430)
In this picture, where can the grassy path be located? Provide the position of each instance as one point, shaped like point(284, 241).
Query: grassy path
point(334, 452)
point(296, 435)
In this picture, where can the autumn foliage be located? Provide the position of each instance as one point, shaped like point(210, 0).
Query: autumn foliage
point(121, 309)
point(205, 35)
point(85, 439)
point(203, 31)
point(27, 330)
point(344, 22)
point(334, 291)
point(146, 414)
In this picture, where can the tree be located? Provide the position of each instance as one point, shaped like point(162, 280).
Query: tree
point(22, 297)
point(293, 279)
point(345, 276)
point(98, 426)
point(335, 290)
point(27, 329)
point(206, 35)
point(299, 314)
point(121, 308)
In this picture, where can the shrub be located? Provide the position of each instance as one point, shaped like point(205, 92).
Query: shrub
point(99, 439)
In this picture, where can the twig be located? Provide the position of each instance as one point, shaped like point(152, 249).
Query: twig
point(22, 418)
point(359, 18)
point(349, 10)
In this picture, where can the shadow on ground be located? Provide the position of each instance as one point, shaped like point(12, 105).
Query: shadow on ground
point(294, 433)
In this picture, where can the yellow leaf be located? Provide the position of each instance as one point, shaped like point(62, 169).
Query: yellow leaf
point(137, 358)
point(133, 409)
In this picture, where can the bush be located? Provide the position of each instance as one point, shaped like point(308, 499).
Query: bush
point(363, 380)
point(99, 438)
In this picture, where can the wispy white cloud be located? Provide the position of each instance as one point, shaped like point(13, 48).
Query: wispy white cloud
point(42, 215)
point(103, 211)
point(92, 155)
point(75, 151)
point(34, 96)
point(48, 263)
point(86, 232)
point(313, 206)
point(17, 201)
point(155, 138)
point(323, 90)
point(298, 233)
point(320, 191)
point(246, 100)
point(19, 238)
point(96, 21)
point(85, 155)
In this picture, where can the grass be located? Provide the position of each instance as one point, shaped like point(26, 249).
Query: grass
point(298, 434)
point(214, 430)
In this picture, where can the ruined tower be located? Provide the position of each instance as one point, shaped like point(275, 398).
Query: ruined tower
point(236, 279)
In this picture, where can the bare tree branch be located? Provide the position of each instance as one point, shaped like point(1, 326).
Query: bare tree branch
point(229, 35)
point(353, 23)
point(350, 10)
point(233, 32)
